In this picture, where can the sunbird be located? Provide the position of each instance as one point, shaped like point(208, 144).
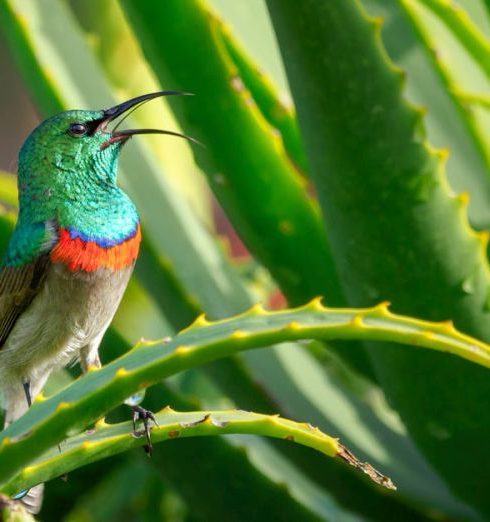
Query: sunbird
point(71, 254)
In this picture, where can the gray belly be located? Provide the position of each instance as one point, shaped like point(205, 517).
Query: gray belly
point(71, 311)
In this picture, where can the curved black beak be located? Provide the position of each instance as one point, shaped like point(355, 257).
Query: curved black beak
point(123, 108)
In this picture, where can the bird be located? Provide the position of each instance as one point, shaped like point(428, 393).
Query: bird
point(71, 254)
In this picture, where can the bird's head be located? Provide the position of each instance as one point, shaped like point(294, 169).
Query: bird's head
point(81, 142)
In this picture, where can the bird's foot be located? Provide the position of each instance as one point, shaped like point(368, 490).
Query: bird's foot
point(27, 391)
point(145, 416)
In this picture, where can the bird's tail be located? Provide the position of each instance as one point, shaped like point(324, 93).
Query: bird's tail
point(15, 404)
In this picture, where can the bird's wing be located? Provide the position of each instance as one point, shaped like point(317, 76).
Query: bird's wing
point(19, 284)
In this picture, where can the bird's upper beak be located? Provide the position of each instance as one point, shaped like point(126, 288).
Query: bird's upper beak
point(123, 108)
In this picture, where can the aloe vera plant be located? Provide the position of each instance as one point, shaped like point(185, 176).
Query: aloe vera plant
point(340, 196)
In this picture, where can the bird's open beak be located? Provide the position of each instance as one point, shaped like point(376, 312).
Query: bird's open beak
point(125, 108)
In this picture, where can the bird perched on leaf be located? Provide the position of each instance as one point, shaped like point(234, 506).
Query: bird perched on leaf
point(71, 254)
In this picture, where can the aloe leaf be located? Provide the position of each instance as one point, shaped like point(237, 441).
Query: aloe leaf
point(49, 421)
point(264, 93)
point(244, 160)
point(465, 30)
point(396, 230)
point(314, 489)
point(351, 492)
point(231, 376)
point(450, 121)
point(475, 43)
point(177, 464)
point(106, 440)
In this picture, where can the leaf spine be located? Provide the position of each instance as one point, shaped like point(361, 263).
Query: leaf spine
point(182, 350)
point(463, 199)
point(200, 321)
point(447, 326)
point(316, 304)
point(40, 397)
point(382, 308)
point(294, 326)
point(357, 321)
point(442, 154)
point(256, 309)
point(239, 334)
point(484, 237)
point(101, 423)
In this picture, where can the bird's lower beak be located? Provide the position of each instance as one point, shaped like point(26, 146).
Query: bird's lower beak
point(125, 108)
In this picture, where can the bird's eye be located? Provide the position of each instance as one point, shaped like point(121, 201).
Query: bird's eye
point(78, 129)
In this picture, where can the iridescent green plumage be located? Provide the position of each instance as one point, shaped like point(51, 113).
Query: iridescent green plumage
point(70, 180)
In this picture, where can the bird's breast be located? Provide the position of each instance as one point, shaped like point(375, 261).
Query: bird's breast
point(80, 253)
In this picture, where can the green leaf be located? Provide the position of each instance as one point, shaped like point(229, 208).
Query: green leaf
point(106, 440)
point(244, 160)
point(463, 28)
point(237, 388)
point(470, 39)
point(234, 461)
point(451, 122)
point(176, 462)
point(278, 115)
point(49, 421)
point(396, 230)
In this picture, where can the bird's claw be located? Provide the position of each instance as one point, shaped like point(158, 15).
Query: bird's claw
point(145, 416)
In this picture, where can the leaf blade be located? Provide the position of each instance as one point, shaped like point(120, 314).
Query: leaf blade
point(50, 420)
